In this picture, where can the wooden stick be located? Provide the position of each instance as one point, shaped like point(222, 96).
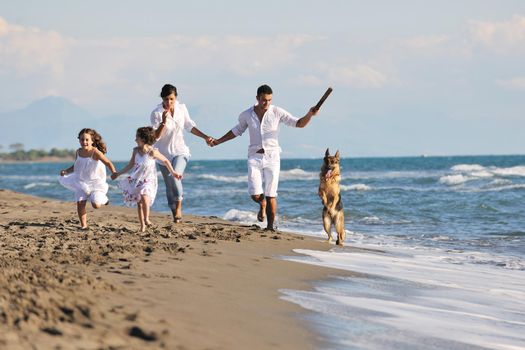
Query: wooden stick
point(325, 96)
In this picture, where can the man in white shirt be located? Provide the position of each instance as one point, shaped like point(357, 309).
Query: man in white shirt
point(262, 121)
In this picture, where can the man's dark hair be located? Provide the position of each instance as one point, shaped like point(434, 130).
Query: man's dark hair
point(264, 89)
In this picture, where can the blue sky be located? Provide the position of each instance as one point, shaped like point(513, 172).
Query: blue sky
point(409, 77)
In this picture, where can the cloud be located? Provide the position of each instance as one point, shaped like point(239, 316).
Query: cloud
point(508, 35)
point(310, 80)
point(137, 65)
point(359, 76)
point(3, 27)
point(516, 83)
point(90, 70)
point(356, 76)
point(250, 55)
point(29, 50)
point(448, 46)
point(426, 42)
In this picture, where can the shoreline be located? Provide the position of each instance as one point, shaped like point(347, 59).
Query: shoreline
point(205, 283)
point(39, 160)
point(320, 158)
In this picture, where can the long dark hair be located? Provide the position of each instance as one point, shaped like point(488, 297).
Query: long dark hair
point(96, 137)
point(167, 90)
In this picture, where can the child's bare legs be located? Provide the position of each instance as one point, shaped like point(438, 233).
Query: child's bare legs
point(141, 217)
point(82, 214)
point(143, 211)
point(98, 199)
point(146, 209)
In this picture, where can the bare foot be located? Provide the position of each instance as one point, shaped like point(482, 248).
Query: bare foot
point(142, 228)
point(149, 223)
point(262, 211)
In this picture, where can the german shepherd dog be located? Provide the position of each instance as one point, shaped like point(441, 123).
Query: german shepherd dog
point(330, 194)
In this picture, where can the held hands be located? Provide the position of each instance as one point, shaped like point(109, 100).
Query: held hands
point(313, 111)
point(63, 172)
point(210, 141)
point(115, 175)
point(177, 176)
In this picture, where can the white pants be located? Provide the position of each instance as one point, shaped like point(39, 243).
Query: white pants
point(264, 168)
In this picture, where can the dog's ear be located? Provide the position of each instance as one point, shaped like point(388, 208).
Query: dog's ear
point(337, 154)
point(327, 153)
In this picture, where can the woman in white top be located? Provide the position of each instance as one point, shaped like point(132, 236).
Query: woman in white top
point(169, 119)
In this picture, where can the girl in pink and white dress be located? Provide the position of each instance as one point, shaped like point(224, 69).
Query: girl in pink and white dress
point(140, 186)
point(87, 177)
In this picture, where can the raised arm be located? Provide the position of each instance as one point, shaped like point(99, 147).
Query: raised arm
point(157, 155)
point(160, 129)
point(302, 122)
point(127, 168)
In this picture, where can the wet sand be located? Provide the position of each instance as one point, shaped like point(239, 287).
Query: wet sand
point(204, 283)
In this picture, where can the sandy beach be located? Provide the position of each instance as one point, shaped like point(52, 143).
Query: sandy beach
point(202, 284)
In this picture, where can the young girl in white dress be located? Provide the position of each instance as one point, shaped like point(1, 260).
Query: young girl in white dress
point(87, 176)
point(140, 186)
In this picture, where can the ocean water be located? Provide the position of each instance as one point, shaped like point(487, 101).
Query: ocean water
point(438, 242)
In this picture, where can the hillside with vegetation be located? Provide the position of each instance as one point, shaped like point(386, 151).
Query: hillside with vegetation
point(17, 153)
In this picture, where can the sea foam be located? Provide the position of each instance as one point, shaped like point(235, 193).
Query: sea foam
point(513, 171)
point(467, 168)
point(455, 299)
point(221, 178)
point(37, 184)
point(453, 180)
point(355, 187)
point(241, 216)
point(463, 173)
point(298, 174)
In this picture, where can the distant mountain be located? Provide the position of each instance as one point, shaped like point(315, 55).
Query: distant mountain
point(45, 123)
point(55, 121)
point(62, 109)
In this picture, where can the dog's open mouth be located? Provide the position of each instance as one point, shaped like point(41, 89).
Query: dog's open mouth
point(328, 174)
